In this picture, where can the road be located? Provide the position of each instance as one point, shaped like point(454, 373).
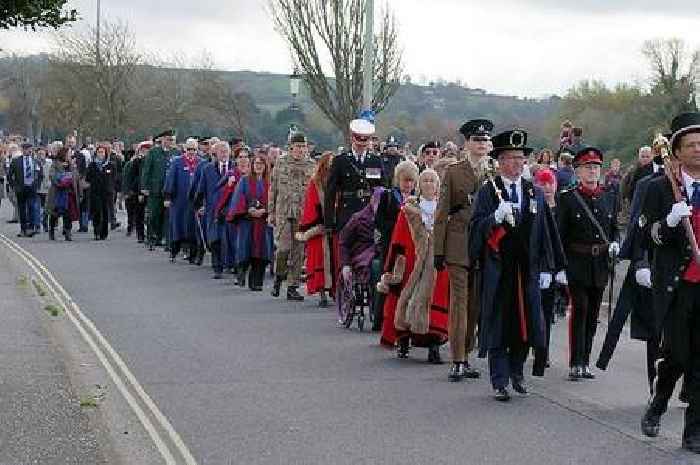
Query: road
point(248, 379)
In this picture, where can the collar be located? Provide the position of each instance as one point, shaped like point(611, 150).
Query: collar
point(588, 192)
point(507, 181)
point(688, 183)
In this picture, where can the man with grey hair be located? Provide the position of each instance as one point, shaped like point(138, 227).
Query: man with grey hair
point(645, 167)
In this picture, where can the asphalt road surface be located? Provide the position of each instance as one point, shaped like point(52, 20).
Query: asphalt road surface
point(248, 379)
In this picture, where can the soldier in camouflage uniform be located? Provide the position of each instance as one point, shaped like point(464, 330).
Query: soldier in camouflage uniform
point(154, 167)
point(290, 177)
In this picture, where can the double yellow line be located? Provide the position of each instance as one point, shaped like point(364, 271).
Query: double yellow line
point(164, 436)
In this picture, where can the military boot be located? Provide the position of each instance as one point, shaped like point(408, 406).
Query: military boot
point(276, 287)
point(293, 294)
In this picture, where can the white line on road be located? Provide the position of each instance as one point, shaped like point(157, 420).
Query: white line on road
point(81, 321)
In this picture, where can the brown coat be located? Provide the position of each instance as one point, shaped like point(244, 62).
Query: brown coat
point(454, 211)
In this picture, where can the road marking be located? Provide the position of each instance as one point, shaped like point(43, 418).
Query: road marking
point(81, 322)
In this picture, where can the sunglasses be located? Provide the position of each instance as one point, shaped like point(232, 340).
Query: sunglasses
point(361, 138)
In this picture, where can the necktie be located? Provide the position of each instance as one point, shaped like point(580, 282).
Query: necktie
point(514, 195)
point(695, 199)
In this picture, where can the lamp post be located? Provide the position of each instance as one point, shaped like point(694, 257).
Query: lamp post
point(368, 60)
point(294, 84)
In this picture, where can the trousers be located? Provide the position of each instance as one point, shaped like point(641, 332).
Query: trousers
point(289, 262)
point(585, 307)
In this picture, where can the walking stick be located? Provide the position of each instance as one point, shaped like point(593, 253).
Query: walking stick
point(613, 262)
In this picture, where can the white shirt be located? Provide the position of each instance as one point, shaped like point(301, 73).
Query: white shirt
point(688, 184)
point(427, 212)
point(518, 188)
point(655, 167)
point(360, 156)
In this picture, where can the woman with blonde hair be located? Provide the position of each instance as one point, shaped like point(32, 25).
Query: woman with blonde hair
point(318, 258)
point(415, 310)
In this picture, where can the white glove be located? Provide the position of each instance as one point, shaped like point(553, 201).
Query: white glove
point(613, 249)
point(679, 211)
point(561, 278)
point(504, 210)
point(643, 277)
point(347, 273)
point(545, 280)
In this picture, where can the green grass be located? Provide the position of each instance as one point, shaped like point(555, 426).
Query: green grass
point(40, 289)
point(53, 309)
point(22, 280)
point(88, 401)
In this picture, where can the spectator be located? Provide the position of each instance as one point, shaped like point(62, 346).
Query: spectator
point(565, 174)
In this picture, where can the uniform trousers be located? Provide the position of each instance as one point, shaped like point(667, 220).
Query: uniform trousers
point(542, 353)
point(685, 310)
point(156, 218)
point(289, 261)
point(457, 315)
point(216, 259)
point(585, 307)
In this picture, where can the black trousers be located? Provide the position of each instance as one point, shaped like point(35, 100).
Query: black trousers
point(686, 314)
point(26, 199)
point(65, 217)
point(100, 217)
point(256, 272)
point(189, 246)
point(585, 307)
point(542, 353)
point(216, 257)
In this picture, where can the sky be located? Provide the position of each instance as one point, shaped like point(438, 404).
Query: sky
point(529, 48)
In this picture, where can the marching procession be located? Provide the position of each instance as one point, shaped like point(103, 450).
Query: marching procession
point(465, 252)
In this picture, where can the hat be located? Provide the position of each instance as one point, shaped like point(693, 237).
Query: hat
point(297, 138)
point(476, 127)
point(168, 133)
point(391, 142)
point(26, 145)
point(588, 155)
point(362, 127)
point(433, 144)
point(510, 140)
point(236, 140)
point(683, 124)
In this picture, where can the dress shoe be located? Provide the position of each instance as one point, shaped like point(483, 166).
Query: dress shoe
point(586, 373)
point(471, 372)
point(691, 444)
point(67, 235)
point(12, 221)
point(434, 355)
point(519, 387)
point(651, 422)
point(402, 348)
point(575, 374)
point(293, 294)
point(240, 279)
point(82, 230)
point(456, 372)
point(217, 275)
point(276, 287)
point(501, 394)
point(52, 235)
point(256, 288)
point(173, 259)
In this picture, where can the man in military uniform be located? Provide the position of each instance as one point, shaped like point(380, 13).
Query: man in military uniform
point(477, 144)
point(460, 183)
point(587, 217)
point(153, 171)
point(390, 158)
point(675, 278)
point(286, 201)
point(352, 178)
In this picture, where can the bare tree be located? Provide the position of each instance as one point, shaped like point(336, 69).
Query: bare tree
point(675, 72)
point(22, 79)
point(107, 81)
point(315, 29)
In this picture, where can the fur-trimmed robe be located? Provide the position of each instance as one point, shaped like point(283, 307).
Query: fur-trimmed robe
point(318, 256)
point(417, 300)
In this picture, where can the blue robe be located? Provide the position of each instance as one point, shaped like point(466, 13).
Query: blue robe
point(545, 254)
point(178, 181)
point(210, 189)
point(254, 236)
point(201, 231)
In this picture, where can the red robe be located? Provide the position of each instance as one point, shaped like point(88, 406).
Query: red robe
point(312, 216)
point(402, 244)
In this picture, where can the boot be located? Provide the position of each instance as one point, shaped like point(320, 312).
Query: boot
point(434, 355)
point(276, 287)
point(402, 348)
point(52, 234)
point(293, 294)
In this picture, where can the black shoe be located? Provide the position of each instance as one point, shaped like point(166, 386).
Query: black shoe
point(173, 259)
point(12, 221)
point(501, 394)
point(519, 387)
point(586, 373)
point(256, 288)
point(323, 303)
point(240, 279)
point(293, 294)
point(140, 240)
point(276, 288)
point(692, 444)
point(82, 230)
point(67, 235)
point(52, 235)
point(651, 422)
point(434, 355)
point(115, 225)
point(217, 275)
point(575, 374)
point(471, 372)
point(199, 261)
point(402, 349)
point(456, 372)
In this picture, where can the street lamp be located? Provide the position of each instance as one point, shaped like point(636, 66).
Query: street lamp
point(294, 84)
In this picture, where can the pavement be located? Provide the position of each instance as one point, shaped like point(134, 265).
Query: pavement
point(248, 379)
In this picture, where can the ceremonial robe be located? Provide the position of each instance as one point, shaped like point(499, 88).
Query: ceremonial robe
point(177, 185)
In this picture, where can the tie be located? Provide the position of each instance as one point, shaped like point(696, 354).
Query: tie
point(514, 195)
point(695, 199)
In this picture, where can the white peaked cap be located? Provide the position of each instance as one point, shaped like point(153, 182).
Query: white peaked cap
point(362, 127)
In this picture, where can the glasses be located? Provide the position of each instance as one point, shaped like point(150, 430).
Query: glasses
point(361, 138)
point(432, 152)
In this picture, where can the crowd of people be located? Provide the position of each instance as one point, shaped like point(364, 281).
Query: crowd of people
point(482, 246)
